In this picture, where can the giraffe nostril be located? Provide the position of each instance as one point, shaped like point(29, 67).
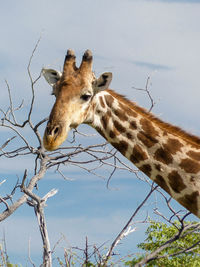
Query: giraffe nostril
point(56, 130)
point(51, 131)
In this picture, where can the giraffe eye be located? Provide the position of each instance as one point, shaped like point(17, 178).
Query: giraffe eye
point(85, 97)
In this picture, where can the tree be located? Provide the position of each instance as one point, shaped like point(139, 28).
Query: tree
point(181, 245)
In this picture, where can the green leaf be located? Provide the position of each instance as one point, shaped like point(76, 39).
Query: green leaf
point(158, 233)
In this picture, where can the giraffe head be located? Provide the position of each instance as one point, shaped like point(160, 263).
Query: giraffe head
point(74, 90)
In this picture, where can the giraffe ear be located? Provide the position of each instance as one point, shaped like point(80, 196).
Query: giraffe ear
point(102, 82)
point(51, 76)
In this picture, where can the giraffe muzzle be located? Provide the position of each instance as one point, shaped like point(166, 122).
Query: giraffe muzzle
point(54, 136)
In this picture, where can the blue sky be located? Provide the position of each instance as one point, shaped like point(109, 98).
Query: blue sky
point(133, 39)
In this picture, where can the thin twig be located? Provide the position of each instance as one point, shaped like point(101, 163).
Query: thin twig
point(146, 89)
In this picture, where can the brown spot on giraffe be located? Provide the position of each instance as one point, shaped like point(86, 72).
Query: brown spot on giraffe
point(113, 133)
point(158, 167)
point(104, 120)
point(120, 114)
point(161, 182)
point(147, 139)
point(194, 155)
point(129, 135)
point(138, 154)
point(128, 111)
point(102, 102)
point(190, 202)
point(122, 146)
point(119, 127)
point(173, 145)
point(163, 156)
point(133, 125)
point(148, 127)
point(109, 100)
point(98, 111)
point(146, 168)
point(176, 181)
point(190, 166)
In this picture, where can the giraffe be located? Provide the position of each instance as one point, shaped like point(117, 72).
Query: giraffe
point(165, 153)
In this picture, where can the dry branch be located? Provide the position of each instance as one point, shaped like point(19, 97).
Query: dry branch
point(127, 228)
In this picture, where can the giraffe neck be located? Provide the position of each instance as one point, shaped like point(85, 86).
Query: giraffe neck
point(166, 154)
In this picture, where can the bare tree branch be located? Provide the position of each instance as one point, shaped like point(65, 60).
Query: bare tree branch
point(24, 197)
point(124, 231)
point(39, 204)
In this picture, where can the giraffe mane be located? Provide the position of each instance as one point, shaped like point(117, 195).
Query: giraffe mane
point(175, 130)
